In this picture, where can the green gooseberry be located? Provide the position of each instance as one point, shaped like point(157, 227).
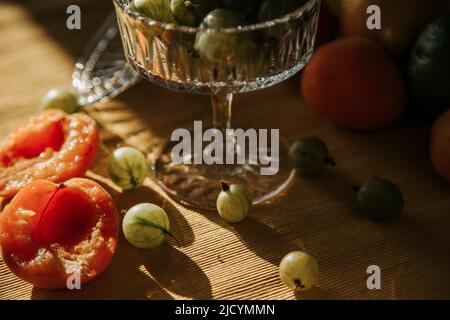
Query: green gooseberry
point(223, 18)
point(158, 10)
point(217, 47)
point(234, 202)
point(299, 271)
point(220, 47)
point(191, 12)
point(146, 225)
point(61, 99)
point(310, 155)
point(380, 199)
point(128, 167)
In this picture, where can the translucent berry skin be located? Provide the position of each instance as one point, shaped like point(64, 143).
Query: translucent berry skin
point(234, 203)
point(61, 99)
point(309, 155)
point(223, 18)
point(128, 168)
point(380, 199)
point(146, 225)
point(299, 271)
point(158, 10)
point(219, 47)
point(191, 12)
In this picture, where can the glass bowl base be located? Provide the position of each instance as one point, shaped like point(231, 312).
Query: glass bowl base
point(198, 185)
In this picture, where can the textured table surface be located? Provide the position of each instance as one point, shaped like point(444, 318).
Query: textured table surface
point(217, 260)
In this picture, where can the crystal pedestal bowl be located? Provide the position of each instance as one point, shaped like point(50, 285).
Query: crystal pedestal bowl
point(214, 62)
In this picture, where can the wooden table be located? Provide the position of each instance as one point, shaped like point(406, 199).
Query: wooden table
point(217, 260)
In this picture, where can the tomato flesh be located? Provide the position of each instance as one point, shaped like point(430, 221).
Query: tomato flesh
point(48, 231)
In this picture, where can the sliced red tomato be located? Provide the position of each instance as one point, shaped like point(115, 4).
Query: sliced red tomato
point(53, 146)
point(50, 231)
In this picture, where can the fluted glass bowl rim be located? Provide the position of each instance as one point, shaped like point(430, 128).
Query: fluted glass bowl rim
point(295, 15)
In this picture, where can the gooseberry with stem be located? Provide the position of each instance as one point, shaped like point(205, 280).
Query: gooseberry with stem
point(146, 226)
point(234, 202)
point(299, 271)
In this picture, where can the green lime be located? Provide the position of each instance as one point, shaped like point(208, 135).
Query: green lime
point(429, 66)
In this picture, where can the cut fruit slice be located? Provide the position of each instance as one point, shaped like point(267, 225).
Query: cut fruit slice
point(53, 146)
point(50, 231)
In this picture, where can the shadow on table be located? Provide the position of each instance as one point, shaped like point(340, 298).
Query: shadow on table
point(336, 185)
point(172, 269)
point(142, 274)
point(159, 111)
point(258, 237)
point(408, 231)
point(177, 273)
point(265, 240)
point(52, 16)
point(316, 293)
point(122, 280)
point(271, 246)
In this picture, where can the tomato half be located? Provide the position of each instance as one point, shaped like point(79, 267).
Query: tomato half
point(50, 231)
point(53, 146)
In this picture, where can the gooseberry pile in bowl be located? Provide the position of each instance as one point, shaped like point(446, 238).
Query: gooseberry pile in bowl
point(206, 45)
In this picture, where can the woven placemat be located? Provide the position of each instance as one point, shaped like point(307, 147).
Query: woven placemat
point(217, 260)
